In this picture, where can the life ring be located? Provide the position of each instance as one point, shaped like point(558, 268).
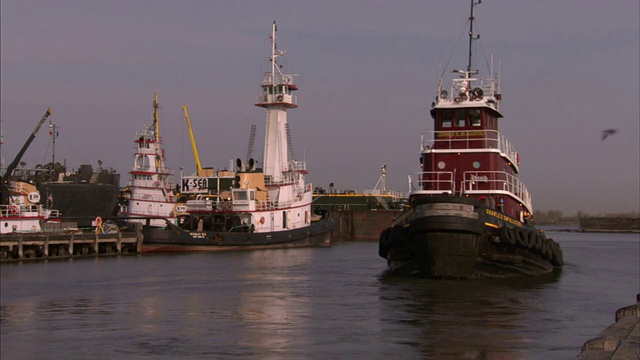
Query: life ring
point(98, 221)
point(262, 220)
point(14, 209)
point(157, 183)
point(280, 97)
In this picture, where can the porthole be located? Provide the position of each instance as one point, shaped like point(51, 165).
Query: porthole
point(441, 165)
point(476, 164)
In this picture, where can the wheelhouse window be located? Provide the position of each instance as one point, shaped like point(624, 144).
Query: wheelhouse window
point(446, 119)
point(474, 118)
point(461, 118)
point(240, 195)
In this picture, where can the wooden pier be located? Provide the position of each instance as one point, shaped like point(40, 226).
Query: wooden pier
point(49, 245)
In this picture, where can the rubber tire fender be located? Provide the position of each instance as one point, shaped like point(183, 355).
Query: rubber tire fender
point(506, 235)
point(522, 236)
point(534, 244)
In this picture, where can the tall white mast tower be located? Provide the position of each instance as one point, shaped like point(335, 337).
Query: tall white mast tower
point(276, 96)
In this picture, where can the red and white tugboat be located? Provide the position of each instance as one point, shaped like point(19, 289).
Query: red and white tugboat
point(151, 186)
point(265, 207)
point(470, 215)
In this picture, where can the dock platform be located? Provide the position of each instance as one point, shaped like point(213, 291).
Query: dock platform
point(49, 245)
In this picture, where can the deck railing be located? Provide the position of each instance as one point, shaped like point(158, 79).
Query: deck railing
point(473, 183)
point(215, 205)
point(22, 210)
point(471, 140)
point(432, 182)
point(496, 182)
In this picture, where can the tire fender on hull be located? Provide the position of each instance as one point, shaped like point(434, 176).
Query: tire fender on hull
point(389, 237)
point(522, 240)
point(507, 235)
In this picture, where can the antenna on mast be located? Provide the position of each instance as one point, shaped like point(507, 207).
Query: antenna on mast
point(472, 37)
point(53, 131)
point(156, 125)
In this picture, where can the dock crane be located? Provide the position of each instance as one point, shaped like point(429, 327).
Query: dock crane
point(4, 188)
point(193, 142)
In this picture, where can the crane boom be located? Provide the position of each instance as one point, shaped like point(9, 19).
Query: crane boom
point(16, 161)
point(193, 141)
point(18, 157)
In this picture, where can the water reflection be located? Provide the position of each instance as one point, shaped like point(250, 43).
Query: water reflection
point(475, 319)
point(272, 303)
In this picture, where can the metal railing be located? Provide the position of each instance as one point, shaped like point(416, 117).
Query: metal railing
point(432, 182)
point(471, 140)
point(153, 169)
point(497, 182)
point(168, 185)
point(23, 210)
point(473, 183)
point(276, 98)
point(214, 205)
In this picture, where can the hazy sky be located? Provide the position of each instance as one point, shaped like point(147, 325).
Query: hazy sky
point(368, 71)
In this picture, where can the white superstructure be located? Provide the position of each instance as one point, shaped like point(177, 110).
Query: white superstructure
point(151, 185)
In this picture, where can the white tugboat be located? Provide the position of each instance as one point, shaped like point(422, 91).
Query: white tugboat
point(268, 207)
point(20, 208)
point(24, 213)
point(151, 186)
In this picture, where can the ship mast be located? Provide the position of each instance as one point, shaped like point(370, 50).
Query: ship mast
point(472, 37)
point(53, 131)
point(156, 124)
point(276, 96)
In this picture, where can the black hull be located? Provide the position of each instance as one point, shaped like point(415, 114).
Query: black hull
point(460, 238)
point(81, 203)
point(174, 239)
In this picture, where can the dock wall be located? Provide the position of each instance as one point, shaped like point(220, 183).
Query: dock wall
point(362, 225)
point(619, 341)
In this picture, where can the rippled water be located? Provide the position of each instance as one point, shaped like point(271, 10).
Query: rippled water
point(320, 303)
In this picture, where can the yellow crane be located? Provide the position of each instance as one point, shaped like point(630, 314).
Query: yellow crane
point(193, 141)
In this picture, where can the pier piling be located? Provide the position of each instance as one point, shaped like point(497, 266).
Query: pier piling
point(49, 245)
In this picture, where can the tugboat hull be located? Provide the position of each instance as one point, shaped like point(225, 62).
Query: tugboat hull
point(175, 239)
point(461, 238)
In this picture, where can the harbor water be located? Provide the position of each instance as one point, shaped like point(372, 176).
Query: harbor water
point(315, 303)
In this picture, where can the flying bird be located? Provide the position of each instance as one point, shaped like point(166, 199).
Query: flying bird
point(606, 133)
